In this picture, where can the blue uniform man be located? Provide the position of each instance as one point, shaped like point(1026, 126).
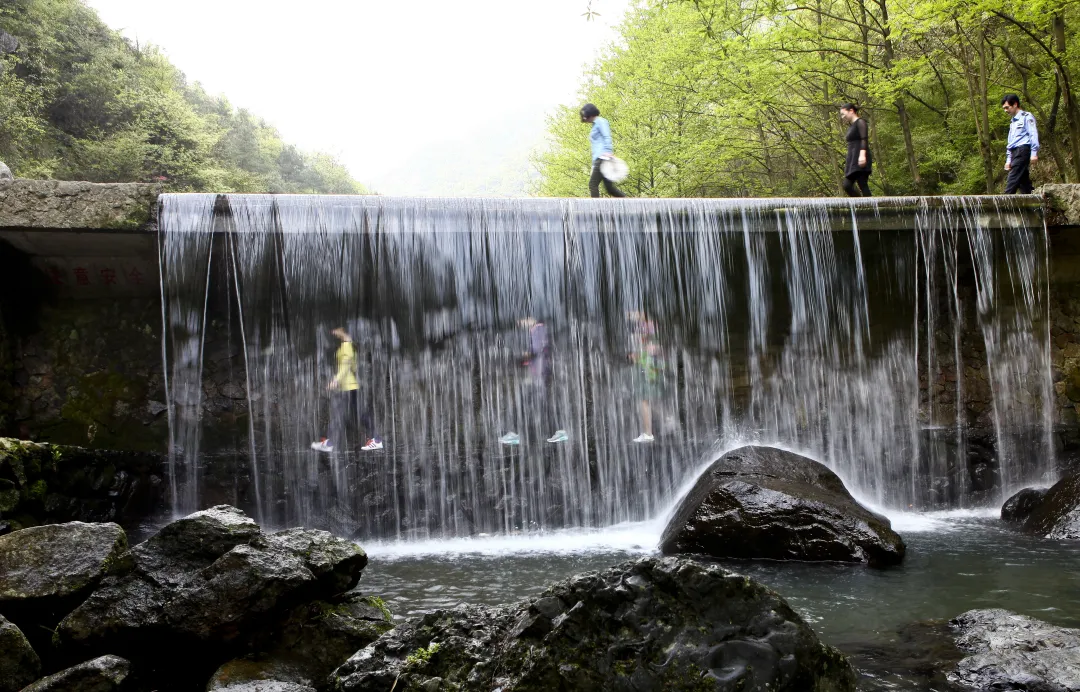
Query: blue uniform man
point(600, 141)
point(1022, 148)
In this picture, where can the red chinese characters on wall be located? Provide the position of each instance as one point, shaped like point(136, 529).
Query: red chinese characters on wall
point(87, 276)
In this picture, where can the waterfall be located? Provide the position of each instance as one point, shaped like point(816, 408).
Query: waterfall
point(902, 341)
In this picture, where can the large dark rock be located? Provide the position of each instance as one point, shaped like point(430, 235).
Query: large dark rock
point(208, 583)
point(1058, 515)
point(163, 565)
point(336, 564)
point(1015, 652)
point(46, 571)
point(655, 624)
point(766, 503)
point(235, 594)
point(172, 555)
point(49, 484)
point(309, 643)
point(1020, 506)
point(104, 674)
point(19, 665)
point(46, 563)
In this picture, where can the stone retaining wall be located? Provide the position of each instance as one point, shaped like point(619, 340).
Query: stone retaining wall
point(54, 204)
point(47, 484)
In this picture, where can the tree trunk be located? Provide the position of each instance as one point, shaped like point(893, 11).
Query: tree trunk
point(765, 157)
point(983, 114)
point(882, 169)
point(901, 109)
point(1071, 114)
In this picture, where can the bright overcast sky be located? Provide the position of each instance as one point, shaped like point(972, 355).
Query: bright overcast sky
point(384, 83)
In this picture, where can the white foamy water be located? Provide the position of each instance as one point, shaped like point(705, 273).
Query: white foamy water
point(633, 538)
point(922, 522)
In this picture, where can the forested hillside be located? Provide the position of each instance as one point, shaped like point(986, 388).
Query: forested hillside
point(723, 97)
point(80, 102)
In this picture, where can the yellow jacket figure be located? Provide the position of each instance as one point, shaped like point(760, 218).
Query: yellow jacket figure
point(345, 401)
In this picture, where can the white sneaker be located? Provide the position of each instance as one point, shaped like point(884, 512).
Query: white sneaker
point(644, 437)
point(559, 436)
point(323, 446)
point(372, 444)
point(510, 438)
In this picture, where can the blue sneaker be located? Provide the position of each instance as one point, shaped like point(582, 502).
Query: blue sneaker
point(510, 438)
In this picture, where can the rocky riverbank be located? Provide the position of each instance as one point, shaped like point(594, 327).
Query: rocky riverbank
point(165, 614)
point(214, 602)
point(652, 624)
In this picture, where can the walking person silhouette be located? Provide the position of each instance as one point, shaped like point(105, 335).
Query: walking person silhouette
point(602, 149)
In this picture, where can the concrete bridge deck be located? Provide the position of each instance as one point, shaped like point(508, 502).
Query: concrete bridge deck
point(98, 240)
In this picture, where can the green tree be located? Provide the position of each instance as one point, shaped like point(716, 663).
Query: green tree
point(78, 101)
point(726, 97)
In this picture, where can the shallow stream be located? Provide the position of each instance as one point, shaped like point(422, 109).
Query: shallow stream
point(955, 562)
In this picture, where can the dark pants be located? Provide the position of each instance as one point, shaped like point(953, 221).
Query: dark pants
point(1019, 179)
point(860, 179)
point(540, 406)
point(597, 178)
point(537, 413)
point(345, 411)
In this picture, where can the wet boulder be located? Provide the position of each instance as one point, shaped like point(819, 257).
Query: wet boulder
point(336, 564)
point(163, 565)
point(652, 624)
point(46, 571)
point(1058, 515)
point(235, 593)
point(187, 545)
point(209, 583)
point(104, 674)
point(766, 503)
point(19, 665)
point(1007, 651)
point(309, 642)
point(1020, 506)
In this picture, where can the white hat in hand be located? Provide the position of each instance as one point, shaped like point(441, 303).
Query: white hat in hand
point(614, 169)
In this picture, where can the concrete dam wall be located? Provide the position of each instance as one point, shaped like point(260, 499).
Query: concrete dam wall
point(82, 359)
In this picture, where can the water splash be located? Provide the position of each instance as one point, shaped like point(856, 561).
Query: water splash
point(887, 337)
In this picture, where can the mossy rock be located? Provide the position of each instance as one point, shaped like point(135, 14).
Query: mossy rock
point(47, 483)
point(310, 643)
point(662, 623)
